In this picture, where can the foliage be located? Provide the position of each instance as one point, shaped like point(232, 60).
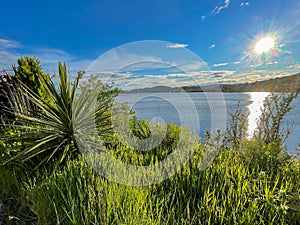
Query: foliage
point(249, 182)
point(229, 191)
point(269, 127)
point(236, 128)
point(13, 197)
point(105, 98)
point(153, 152)
point(270, 156)
point(106, 93)
point(140, 128)
point(48, 134)
point(78, 196)
point(6, 90)
point(30, 73)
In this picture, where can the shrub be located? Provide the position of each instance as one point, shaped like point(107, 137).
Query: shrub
point(6, 90)
point(47, 134)
point(236, 128)
point(269, 125)
point(29, 72)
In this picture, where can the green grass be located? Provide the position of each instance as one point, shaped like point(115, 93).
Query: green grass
point(234, 189)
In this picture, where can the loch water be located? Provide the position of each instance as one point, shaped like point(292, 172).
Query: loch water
point(207, 111)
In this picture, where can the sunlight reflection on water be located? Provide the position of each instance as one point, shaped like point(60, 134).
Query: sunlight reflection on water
point(256, 99)
point(147, 107)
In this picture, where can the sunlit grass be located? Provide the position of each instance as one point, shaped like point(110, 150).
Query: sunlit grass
point(232, 190)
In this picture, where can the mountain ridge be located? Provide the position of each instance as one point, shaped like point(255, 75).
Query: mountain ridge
point(278, 84)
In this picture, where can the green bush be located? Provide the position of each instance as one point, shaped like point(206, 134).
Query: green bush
point(47, 134)
point(6, 91)
point(29, 72)
point(269, 126)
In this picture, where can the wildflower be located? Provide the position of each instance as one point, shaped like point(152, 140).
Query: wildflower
point(285, 207)
point(262, 174)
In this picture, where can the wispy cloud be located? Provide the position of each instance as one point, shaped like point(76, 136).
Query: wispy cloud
point(52, 55)
point(191, 66)
point(118, 60)
point(296, 66)
point(4, 43)
point(218, 9)
point(177, 45)
point(129, 82)
point(244, 4)
point(220, 64)
point(212, 46)
point(11, 50)
point(8, 53)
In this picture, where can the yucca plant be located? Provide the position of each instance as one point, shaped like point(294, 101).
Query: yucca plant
point(47, 132)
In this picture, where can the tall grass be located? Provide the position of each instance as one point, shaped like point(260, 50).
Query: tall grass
point(232, 190)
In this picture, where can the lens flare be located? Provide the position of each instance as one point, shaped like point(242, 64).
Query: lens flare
point(264, 45)
point(266, 51)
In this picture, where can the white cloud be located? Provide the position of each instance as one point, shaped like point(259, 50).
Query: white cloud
point(122, 60)
point(218, 9)
point(195, 78)
point(212, 46)
point(11, 50)
point(220, 64)
point(177, 45)
point(4, 43)
point(191, 66)
point(49, 58)
point(255, 75)
point(244, 4)
point(135, 76)
point(7, 59)
point(296, 66)
point(8, 53)
point(79, 64)
point(52, 55)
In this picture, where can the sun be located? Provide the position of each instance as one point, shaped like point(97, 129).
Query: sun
point(264, 45)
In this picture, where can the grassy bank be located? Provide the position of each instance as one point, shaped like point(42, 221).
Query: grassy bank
point(237, 188)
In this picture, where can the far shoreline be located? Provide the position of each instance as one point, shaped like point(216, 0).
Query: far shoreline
point(284, 84)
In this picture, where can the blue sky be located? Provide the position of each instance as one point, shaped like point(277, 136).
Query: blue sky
point(222, 33)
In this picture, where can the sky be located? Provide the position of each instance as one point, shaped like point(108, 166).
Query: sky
point(147, 43)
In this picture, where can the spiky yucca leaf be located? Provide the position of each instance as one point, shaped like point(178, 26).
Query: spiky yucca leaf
point(48, 133)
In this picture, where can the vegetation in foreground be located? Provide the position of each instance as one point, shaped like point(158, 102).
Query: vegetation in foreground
point(249, 182)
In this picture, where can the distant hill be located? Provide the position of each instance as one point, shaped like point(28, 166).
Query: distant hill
point(157, 89)
point(279, 84)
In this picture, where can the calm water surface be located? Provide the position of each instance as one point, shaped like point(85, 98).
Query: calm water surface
point(205, 111)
